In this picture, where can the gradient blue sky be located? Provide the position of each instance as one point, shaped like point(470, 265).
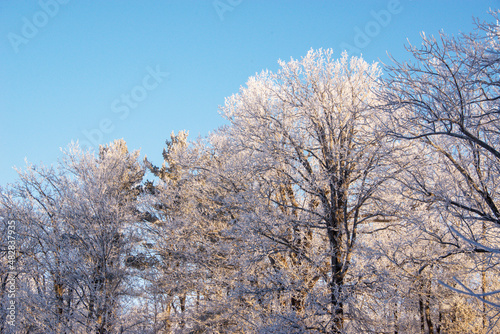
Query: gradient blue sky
point(74, 71)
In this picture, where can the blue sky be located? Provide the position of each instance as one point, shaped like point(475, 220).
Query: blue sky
point(138, 70)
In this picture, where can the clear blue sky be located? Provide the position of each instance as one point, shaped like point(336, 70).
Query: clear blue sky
point(99, 67)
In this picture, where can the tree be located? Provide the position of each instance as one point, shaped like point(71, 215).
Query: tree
point(189, 228)
point(317, 155)
point(448, 101)
point(76, 222)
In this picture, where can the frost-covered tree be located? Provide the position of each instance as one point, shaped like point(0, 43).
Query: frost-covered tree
point(447, 102)
point(75, 221)
point(319, 166)
point(190, 226)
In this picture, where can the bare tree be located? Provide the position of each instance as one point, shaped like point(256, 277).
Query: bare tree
point(447, 101)
point(75, 222)
point(317, 156)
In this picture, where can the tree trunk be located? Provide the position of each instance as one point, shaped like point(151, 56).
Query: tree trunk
point(337, 281)
point(428, 318)
point(421, 311)
point(430, 325)
point(395, 318)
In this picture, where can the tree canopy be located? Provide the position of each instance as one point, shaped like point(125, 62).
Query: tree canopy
point(342, 197)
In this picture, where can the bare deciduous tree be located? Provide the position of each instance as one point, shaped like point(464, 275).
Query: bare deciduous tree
point(318, 157)
point(448, 101)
